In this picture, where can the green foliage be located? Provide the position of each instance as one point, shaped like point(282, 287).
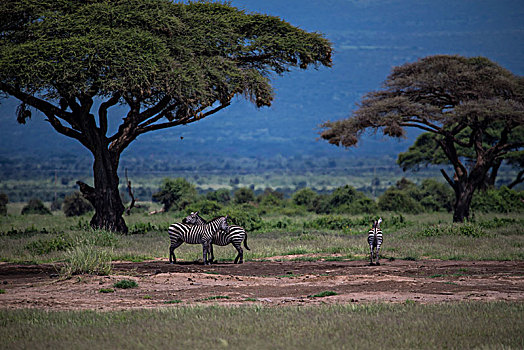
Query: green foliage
point(204, 207)
point(222, 196)
point(142, 228)
point(76, 205)
point(496, 222)
point(86, 258)
point(125, 284)
point(348, 200)
point(407, 197)
point(243, 195)
point(56, 205)
point(35, 206)
point(106, 290)
point(3, 203)
point(330, 222)
point(244, 215)
point(326, 293)
point(397, 200)
point(271, 198)
point(175, 194)
point(46, 246)
point(468, 230)
point(344, 199)
point(305, 197)
point(503, 200)
point(216, 297)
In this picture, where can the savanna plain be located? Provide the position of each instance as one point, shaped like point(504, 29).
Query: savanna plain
point(306, 282)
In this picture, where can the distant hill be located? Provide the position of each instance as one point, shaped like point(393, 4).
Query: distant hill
point(369, 37)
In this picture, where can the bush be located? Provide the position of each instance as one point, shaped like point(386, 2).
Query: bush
point(3, 203)
point(270, 198)
point(42, 246)
point(243, 195)
point(221, 196)
point(397, 200)
point(244, 215)
point(467, 229)
point(75, 205)
point(330, 222)
point(175, 194)
point(503, 200)
point(56, 205)
point(347, 199)
point(35, 206)
point(125, 284)
point(86, 258)
point(437, 196)
point(204, 207)
point(305, 197)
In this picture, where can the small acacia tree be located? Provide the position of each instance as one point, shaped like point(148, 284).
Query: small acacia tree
point(169, 63)
point(462, 102)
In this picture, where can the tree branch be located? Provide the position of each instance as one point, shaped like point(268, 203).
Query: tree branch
point(102, 111)
point(64, 130)
point(448, 179)
point(186, 120)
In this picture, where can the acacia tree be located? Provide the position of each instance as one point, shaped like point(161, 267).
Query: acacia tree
point(169, 63)
point(426, 151)
point(462, 102)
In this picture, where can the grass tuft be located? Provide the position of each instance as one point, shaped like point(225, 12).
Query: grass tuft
point(326, 293)
point(125, 284)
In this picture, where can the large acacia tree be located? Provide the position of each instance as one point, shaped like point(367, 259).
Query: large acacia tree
point(169, 63)
point(462, 103)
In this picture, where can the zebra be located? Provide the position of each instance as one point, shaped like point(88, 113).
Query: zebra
point(195, 234)
point(375, 241)
point(235, 236)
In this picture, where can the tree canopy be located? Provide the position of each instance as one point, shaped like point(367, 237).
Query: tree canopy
point(169, 63)
point(466, 104)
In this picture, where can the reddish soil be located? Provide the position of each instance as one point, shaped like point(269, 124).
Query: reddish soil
point(269, 283)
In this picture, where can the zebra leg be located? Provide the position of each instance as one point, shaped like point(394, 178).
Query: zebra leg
point(212, 259)
point(378, 250)
point(371, 255)
point(240, 256)
point(172, 247)
point(206, 251)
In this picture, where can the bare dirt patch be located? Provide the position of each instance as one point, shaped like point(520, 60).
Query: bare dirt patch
point(271, 283)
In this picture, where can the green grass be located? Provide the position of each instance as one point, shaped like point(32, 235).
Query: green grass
point(323, 294)
point(125, 284)
point(216, 297)
point(410, 325)
point(106, 290)
point(44, 238)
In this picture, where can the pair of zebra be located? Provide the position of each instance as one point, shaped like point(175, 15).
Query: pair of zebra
point(195, 230)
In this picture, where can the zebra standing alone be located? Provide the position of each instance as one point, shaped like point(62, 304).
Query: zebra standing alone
point(195, 234)
point(375, 241)
point(235, 236)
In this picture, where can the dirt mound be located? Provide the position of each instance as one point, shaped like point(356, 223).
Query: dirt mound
point(269, 282)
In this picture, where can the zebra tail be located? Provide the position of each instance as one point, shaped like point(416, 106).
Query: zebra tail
point(245, 242)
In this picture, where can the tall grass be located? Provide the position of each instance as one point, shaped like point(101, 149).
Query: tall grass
point(403, 326)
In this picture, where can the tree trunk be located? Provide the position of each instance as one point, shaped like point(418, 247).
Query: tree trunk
point(105, 196)
point(463, 198)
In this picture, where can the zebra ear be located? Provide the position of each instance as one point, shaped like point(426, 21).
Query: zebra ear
point(196, 213)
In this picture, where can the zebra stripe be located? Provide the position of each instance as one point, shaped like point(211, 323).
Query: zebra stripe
point(375, 241)
point(235, 236)
point(195, 234)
